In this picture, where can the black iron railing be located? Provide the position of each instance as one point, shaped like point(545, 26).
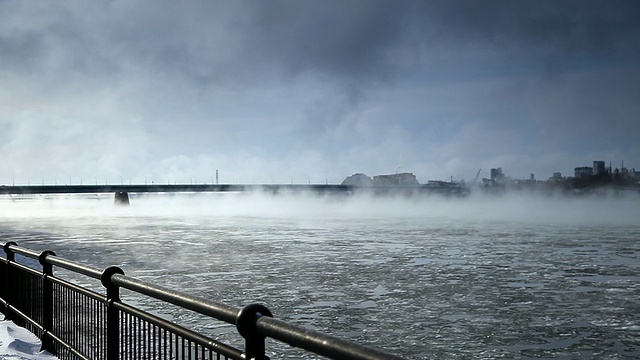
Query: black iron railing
point(75, 322)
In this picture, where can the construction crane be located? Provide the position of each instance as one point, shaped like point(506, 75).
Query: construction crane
point(477, 174)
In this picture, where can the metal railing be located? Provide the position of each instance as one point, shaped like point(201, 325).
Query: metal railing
point(75, 322)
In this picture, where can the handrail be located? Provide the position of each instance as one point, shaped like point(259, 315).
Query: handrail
point(73, 266)
point(23, 251)
point(254, 322)
point(317, 342)
point(203, 306)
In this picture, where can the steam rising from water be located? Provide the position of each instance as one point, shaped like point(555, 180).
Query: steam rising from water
point(308, 206)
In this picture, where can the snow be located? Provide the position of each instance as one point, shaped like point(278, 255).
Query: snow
point(18, 343)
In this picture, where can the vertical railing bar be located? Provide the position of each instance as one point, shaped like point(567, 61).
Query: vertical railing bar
point(83, 313)
point(154, 341)
point(164, 343)
point(98, 327)
point(88, 320)
point(140, 339)
point(103, 314)
point(93, 334)
point(75, 320)
point(132, 337)
point(143, 335)
point(78, 322)
point(140, 342)
point(63, 314)
point(137, 335)
point(91, 331)
point(83, 319)
point(147, 339)
point(123, 334)
point(69, 316)
point(147, 334)
point(70, 313)
point(95, 339)
point(72, 318)
point(170, 345)
point(9, 278)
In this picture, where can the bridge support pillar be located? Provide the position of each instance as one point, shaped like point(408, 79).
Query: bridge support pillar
point(121, 198)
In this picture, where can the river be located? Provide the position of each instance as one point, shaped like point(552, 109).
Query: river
point(425, 278)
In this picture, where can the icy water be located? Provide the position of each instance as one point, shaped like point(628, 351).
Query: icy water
point(425, 278)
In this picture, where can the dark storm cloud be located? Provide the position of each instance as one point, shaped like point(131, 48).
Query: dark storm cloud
point(579, 26)
point(373, 39)
point(226, 42)
point(350, 39)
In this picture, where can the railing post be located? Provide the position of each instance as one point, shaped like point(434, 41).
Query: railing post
point(47, 302)
point(246, 325)
point(8, 282)
point(113, 316)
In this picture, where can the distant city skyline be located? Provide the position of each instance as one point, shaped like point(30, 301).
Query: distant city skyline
point(314, 91)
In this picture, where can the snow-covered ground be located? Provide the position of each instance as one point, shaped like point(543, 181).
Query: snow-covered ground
point(18, 343)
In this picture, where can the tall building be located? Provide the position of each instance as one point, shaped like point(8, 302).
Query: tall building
point(496, 174)
point(599, 168)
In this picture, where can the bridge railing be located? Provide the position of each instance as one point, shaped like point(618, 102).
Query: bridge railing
point(75, 322)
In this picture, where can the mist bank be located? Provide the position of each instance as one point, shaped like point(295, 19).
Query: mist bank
point(478, 206)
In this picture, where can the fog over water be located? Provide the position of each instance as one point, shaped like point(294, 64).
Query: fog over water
point(512, 276)
point(607, 209)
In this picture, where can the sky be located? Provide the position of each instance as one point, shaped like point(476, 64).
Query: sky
point(314, 91)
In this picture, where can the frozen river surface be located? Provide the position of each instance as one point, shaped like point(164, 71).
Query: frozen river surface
point(509, 277)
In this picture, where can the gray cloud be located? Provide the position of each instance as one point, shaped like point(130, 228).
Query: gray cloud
point(316, 85)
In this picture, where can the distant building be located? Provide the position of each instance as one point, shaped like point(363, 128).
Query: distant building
point(557, 176)
point(396, 179)
point(497, 176)
point(358, 179)
point(599, 168)
point(583, 172)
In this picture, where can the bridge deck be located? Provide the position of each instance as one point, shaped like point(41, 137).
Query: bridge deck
point(167, 188)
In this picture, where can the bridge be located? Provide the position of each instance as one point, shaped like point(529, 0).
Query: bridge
point(185, 188)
